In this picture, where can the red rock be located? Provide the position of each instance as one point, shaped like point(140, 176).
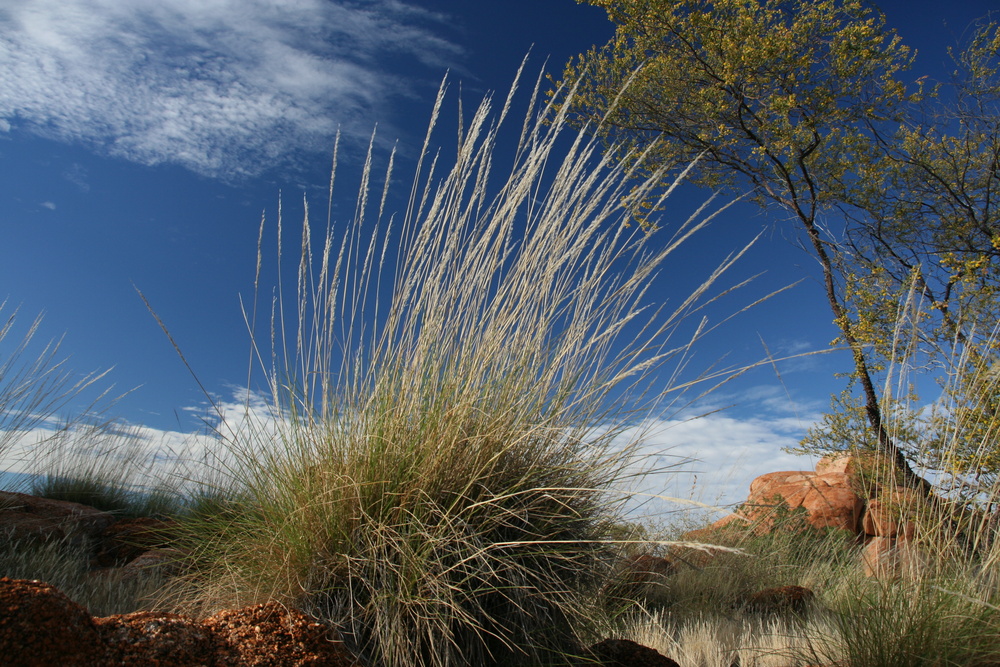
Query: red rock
point(841, 462)
point(867, 470)
point(893, 513)
point(28, 517)
point(639, 575)
point(891, 558)
point(269, 635)
point(828, 499)
point(40, 626)
point(625, 653)
point(165, 640)
point(780, 477)
point(150, 562)
point(647, 568)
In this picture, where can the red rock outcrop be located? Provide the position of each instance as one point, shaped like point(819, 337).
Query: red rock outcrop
point(891, 558)
point(851, 492)
point(40, 627)
point(894, 513)
point(646, 568)
point(125, 540)
point(828, 499)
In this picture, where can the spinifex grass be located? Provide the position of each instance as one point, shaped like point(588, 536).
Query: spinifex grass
point(430, 475)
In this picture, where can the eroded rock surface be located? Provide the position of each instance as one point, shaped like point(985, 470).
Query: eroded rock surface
point(269, 635)
point(40, 626)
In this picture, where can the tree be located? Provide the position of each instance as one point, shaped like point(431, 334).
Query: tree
point(773, 96)
point(925, 221)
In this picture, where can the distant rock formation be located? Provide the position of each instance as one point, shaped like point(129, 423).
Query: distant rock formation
point(846, 492)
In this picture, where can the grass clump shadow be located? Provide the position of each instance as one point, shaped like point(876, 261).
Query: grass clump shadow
point(437, 465)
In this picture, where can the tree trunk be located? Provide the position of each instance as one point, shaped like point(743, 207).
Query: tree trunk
point(873, 409)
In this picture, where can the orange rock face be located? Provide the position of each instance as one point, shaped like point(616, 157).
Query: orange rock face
point(828, 499)
point(891, 558)
point(893, 513)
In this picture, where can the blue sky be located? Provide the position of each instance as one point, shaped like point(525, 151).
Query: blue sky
point(141, 141)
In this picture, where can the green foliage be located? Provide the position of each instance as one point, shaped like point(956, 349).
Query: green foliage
point(771, 97)
point(923, 268)
point(801, 104)
point(845, 428)
point(766, 94)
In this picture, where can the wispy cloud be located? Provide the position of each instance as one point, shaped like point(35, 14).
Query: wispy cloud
point(225, 88)
point(713, 459)
point(710, 455)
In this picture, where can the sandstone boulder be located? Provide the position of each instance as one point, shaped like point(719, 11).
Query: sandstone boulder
point(894, 513)
point(868, 470)
point(153, 560)
point(646, 568)
point(780, 478)
point(829, 500)
point(891, 558)
point(125, 540)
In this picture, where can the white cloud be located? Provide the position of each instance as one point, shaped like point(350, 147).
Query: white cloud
point(712, 459)
point(139, 455)
point(222, 87)
point(709, 460)
point(726, 453)
point(49, 205)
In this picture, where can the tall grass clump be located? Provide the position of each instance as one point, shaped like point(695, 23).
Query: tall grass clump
point(436, 468)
